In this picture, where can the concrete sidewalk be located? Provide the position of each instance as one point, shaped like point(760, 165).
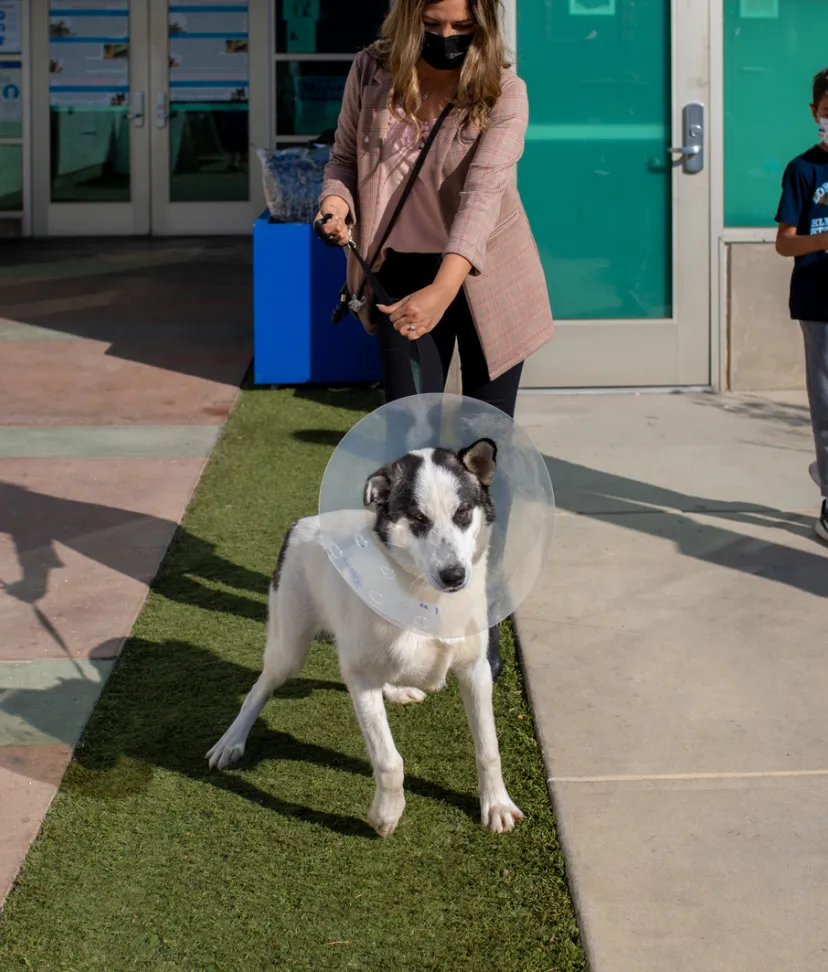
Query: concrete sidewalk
point(677, 661)
point(119, 363)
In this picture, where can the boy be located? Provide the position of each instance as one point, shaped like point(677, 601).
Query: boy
point(803, 234)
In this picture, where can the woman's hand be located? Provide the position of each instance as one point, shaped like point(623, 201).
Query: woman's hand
point(336, 227)
point(420, 312)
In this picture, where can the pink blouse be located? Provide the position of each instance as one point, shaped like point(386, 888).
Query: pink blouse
point(420, 227)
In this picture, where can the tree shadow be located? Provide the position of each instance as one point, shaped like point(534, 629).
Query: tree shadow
point(130, 543)
point(590, 492)
point(165, 706)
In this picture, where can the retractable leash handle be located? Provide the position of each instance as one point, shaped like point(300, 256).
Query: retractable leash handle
point(340, 312)
point(379, 291)
point(325, 237)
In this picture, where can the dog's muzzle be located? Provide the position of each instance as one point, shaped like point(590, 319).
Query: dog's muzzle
point(453, 578)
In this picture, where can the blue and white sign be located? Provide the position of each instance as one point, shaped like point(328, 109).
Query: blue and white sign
point(89, 53)
point(11, 110)
point(10, 27)
point(208, 52)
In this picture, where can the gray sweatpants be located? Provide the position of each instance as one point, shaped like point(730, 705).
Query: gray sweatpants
point(816, 371)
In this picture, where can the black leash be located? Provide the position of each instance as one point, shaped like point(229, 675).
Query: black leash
point(356, 302)
point(379, 291)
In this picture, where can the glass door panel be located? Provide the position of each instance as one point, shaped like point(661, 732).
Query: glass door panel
point(208, 74)
point(90, 137)
point(89, 122)
point(209, 118)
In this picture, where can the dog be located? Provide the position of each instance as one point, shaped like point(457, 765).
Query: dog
point(432, 513)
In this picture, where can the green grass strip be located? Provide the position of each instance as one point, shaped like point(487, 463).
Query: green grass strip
point(149, 861)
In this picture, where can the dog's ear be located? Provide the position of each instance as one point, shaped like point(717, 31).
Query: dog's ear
point(377, 487)
point(480, 458)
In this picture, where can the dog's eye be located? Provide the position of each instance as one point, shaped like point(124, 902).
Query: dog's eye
point(418, 517)
point(463, 514)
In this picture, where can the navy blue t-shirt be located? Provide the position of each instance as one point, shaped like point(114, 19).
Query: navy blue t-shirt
point(804, 204)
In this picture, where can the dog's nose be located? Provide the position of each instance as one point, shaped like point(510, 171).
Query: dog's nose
point(453, 576)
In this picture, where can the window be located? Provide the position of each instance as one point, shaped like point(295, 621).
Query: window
point(316, 41)
point(772, 51)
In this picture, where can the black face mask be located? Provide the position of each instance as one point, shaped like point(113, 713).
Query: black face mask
point(445, 53)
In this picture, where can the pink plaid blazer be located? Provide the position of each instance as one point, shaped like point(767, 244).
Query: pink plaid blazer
point(485, 219)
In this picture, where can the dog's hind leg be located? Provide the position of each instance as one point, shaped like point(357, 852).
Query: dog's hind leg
point(389, 799)
point(497, 810)
point(289, 636)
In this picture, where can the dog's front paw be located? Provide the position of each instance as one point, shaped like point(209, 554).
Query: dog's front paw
point(225, 752)
point(500, 817)
point(403, 694)
point(385, 812)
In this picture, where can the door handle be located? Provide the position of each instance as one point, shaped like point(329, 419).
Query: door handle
point(161, 113)
point(692, 151)
point(136, 116)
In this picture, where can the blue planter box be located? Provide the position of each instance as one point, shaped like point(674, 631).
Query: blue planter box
point(296, 281)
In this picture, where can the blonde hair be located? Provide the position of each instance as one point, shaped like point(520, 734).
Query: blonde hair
point(398, 50)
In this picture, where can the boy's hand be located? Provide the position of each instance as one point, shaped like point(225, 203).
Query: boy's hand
point(789, 244)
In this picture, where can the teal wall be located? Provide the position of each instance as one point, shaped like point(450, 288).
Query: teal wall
point(594, 177)
point(769, 61)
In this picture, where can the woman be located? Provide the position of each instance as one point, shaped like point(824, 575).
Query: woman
point(461, 256)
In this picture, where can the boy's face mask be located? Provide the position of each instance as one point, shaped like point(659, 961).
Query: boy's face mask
point(823, 130)
point(445, 53)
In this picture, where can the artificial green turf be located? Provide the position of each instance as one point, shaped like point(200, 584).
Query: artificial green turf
point(149, 861)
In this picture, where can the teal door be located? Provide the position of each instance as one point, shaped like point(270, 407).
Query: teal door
point(623, 232)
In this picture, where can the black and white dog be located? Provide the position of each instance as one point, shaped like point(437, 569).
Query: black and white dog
point(433, 514)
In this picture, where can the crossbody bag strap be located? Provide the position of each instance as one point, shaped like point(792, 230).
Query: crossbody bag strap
point(415, 172)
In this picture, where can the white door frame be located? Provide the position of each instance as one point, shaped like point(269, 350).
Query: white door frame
point(149, 209)
point(683, 345)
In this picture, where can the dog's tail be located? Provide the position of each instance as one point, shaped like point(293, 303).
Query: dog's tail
point(289, 628)
point(280, 563)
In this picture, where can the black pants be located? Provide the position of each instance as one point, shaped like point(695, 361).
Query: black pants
point(403, 274)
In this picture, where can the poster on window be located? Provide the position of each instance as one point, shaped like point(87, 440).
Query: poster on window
point(89, 53)
point(10, 27)
point(208, 52)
